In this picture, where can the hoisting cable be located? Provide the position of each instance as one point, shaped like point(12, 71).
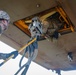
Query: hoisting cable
point(18, 52)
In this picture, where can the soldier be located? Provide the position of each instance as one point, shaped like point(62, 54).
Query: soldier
point(35, 29)
point(4, 22)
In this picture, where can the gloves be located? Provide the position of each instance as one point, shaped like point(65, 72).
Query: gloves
point(55, 35)
point(4, 56)
point(15, 53)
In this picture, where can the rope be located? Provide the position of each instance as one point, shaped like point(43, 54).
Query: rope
point(32, 53)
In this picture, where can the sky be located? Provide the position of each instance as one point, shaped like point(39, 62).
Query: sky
point(12, 66)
